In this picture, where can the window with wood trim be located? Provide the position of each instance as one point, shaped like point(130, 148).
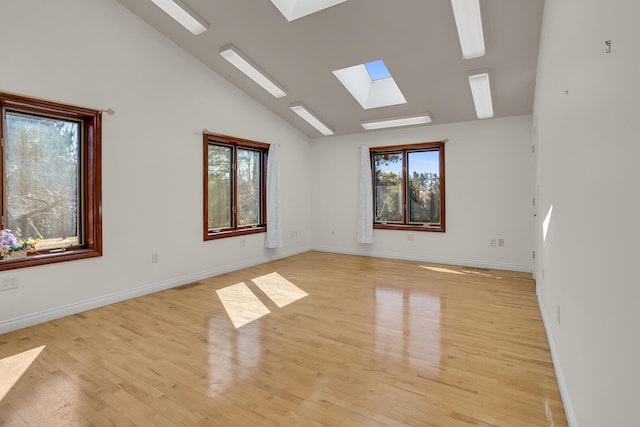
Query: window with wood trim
point(408, 187)
point(51, 182)
point(234, 186)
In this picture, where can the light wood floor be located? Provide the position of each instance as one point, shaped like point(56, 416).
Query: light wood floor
point(342, 341)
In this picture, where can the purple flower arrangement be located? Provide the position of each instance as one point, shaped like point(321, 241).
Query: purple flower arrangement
point(10, 243)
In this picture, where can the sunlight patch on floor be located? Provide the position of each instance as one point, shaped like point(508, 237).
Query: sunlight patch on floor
point(13, 367)
point(441, 270)
point(281, 291)
point(481, 274)
point(241, 304)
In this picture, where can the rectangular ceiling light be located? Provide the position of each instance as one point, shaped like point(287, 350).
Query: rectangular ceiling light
point(242, 63)
point(185, 16)
point(481, 92)
point(402, 121)
point(469, 23)
point(303, 112)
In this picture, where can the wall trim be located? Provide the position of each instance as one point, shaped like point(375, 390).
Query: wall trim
point(562, 385)
point(89, 304)
point(437, 260)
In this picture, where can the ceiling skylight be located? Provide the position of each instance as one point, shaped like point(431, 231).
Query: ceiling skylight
point(371, 84)
point(377, 70)
point(294, 9)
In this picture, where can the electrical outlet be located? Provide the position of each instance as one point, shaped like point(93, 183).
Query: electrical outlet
point(501, 242)
point(8, 283)
point(155, 258)
point(492, 242)
point(243, 242)
point(409, 237)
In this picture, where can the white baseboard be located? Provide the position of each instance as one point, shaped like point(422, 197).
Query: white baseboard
point(436, 260)
point(564, 393)
point(78, 307)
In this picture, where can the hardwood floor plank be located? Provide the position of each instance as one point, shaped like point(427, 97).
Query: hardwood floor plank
point(341, 341)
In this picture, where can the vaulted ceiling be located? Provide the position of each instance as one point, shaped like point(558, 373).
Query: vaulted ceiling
point(417, 39)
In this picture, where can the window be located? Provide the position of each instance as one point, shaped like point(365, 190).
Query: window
point(51, 180)
point(234, 186)
point(408, 188)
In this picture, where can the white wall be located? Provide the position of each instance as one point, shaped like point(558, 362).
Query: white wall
point(589, 148)
point(96, 53)
point(488, 176)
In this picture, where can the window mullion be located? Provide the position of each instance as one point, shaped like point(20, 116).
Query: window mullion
point(234, 186)
point(405, 187)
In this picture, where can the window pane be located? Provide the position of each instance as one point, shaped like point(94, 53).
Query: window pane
point(388, 187)
point(42, 177)
point(219, 197)
point(249, 183)
point(424, 186)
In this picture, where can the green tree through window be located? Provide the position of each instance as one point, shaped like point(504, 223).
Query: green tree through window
point(41, 170)
point(409, 186)
point(234, 183)
point(51, 182)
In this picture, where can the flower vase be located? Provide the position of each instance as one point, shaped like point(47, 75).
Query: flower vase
point(17, 254)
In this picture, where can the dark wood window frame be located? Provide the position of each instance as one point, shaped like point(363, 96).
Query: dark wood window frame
point(90, 212)
point(235, 143)
point(405, 224)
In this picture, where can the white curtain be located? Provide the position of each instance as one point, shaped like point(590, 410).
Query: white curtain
point(274, 215)
point(365, 199)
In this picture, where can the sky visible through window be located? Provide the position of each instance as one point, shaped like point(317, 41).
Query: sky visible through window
point(425, 161)
point(377, 70)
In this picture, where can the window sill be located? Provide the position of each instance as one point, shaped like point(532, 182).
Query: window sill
point(410, 227)
point(212, 235)
point(43, 258)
